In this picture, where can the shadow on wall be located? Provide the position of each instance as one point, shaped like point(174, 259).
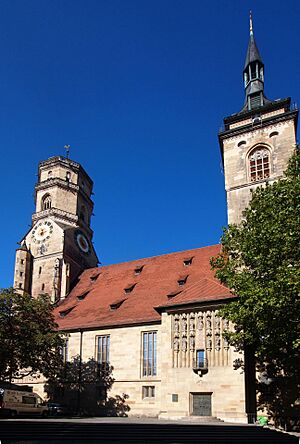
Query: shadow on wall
point(83, 387)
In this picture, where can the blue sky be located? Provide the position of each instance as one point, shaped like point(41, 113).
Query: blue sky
point(139, 90)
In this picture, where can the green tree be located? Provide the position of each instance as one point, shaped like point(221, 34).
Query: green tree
point(29, 341)
point(260, 262)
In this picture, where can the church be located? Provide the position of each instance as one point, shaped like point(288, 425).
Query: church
point(155, 320)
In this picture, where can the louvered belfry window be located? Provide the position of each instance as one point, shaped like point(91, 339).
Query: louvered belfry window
point(259, 164)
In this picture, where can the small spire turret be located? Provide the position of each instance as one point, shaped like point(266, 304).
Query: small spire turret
point(253, 75)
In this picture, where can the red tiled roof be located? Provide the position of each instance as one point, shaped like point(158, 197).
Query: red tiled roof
point(158, 279)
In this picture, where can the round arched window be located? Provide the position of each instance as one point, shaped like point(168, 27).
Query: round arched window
point(259, 163)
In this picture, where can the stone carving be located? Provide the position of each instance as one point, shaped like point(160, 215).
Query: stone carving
point(192, 323)
point(184, 344)
point(184, 324)
point(208, 344)
point(176, 344)
point(176, 324)
point(200, 320)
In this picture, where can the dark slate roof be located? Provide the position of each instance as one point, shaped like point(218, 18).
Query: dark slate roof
point(252, 53)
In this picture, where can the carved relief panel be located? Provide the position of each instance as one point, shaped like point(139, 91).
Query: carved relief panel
point(196, 331)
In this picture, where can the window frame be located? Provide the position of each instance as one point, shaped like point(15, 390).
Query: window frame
point(149, 354)
point(148, 391)
point(46, 202)
point(258, 166)
point(104, 361)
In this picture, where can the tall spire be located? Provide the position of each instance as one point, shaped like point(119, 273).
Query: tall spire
point(251, 24)
point(253, 74)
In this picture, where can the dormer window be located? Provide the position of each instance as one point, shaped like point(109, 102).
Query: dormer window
point(117, 304)
point(64, 313)
point(187, 262)
point(182, 281)
point(82, 296)
point(138, 270)
point(173, 294)
point(129, 289)
point(94, 277)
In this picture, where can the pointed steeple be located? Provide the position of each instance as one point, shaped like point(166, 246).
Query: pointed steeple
point(253, 54)
point(253, 75)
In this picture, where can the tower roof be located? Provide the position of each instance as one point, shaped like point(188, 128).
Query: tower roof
point(253, 54)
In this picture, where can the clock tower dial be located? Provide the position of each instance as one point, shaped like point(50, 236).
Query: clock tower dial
point(42, 232)
point(58, 246)
point(82, 242)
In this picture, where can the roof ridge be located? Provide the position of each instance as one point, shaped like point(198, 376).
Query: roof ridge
point(151, 257)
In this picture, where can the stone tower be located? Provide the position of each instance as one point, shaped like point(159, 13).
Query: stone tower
point(58, 246)
point(256, 142)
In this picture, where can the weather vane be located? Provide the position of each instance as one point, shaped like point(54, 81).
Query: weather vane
point(67, 148)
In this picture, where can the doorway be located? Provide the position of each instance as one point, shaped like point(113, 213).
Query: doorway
point(201, 404)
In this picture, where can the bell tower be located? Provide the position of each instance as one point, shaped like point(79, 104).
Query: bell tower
point(257, 142)
point(58, 247)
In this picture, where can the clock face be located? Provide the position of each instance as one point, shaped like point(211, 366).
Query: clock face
point(82, 242)
point(42, 232)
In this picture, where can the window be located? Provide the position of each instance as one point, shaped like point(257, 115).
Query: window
point(149, 353)
point(49, 174)
point(148, 391)
point(129, 289)
point(103, 343)
point(64, 313)
point(21, 273)
point(181, 281)
point(68, 176)
point(64, 351)
point(28, 400)
point(20, 285)
point(259, 164)
point(174, 293)
point(187, 262)
point(40, 270)
point(46, 202)
point(82, 296)
point(22, 261)
point(200, 359)
point(174, 397)
point(43, 287)
point(117, 304)
point(255, 101)
point(94, 277)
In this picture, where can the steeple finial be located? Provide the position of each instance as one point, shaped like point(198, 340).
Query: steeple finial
point(251, 24)
point(67, 148)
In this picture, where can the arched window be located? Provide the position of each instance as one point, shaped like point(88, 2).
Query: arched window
point(46, 202)
point(259, 163)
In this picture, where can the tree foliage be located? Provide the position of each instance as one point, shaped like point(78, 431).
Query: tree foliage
point(83, 386)
point(260, 262)
point(29, 342)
